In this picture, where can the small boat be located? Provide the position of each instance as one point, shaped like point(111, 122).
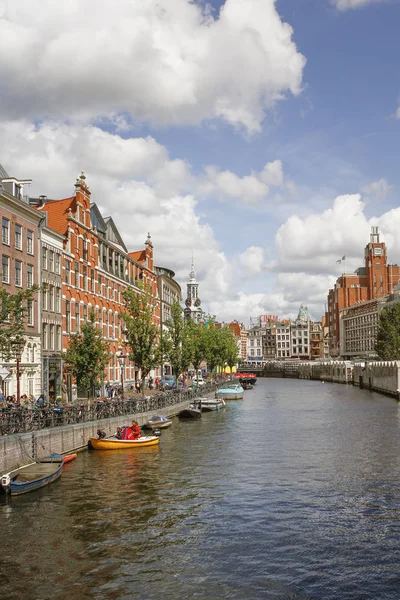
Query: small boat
point(232, 392)
point(33, 475)
point(69, 457)
point(113, 443)
point(190, 413)
point(210, 404)
point(158, 422)
point(246, 386)
point(247, 378)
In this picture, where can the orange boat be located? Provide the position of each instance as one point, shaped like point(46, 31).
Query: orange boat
point(69, 457)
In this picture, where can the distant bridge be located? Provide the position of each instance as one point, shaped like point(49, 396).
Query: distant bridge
point(285, 369)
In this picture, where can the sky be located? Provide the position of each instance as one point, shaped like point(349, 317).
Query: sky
point(260, 137)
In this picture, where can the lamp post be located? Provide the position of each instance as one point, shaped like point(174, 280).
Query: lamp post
point(121, 359)
point(18, 344)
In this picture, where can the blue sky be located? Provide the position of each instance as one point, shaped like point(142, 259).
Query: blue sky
point(265, 151)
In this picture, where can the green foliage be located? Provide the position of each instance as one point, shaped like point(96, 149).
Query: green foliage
point(87, 355)
point(388, 339)
point(178, 340)
point(13, 316)
point(141, 331)
point(229, 347)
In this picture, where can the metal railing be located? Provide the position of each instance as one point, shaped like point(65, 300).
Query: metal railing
point(20, 420)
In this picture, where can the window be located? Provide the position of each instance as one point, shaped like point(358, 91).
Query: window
point(85, 313)
point(57, 307)
point(85, 249)
point(44, 336)
point(18, 273)
point(51, 340)
point(18, 237)
point(92, 280)
point(51, 260)
point(77, 317)
point(67, 316)
point(44, 258)
point(76, 267)
point(84, 275)
point(5, 231)
point(100, 292)
point(5, 273)
point(29, 242)
point(57, 263)
point(29, 276)
point(67, 272)
point(51, 297)
point(58, 337)
point(44, 298)
point(31, 320)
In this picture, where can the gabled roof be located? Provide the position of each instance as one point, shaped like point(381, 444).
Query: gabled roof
point(139, 256)
point(3, 173)
point(112, 233)
point(57, 213)
point(97, 218)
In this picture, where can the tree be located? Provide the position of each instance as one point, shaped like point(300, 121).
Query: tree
point(229, 347)
point(388, 338)
point(13, 314)
point(141, 330)
point(177, 342)
point(88, 355)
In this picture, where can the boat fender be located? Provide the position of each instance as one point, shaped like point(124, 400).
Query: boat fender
point(6, 482)
point(89, 445)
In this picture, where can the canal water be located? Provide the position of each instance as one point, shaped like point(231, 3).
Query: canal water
point(292, 493)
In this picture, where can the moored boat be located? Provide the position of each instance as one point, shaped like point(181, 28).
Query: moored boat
point(210, 404)
point(113, 443)
point(33, 475)
point(158, 422)
point(190, 413)
point(69, 457)
point(231, 392)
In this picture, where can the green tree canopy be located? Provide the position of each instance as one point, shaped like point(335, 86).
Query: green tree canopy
point(13, 316)
point(178, 343)
point(141, 330)
point(388, 338)
point(87, 355)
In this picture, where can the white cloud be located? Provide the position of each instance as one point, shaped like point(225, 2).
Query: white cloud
point(352, 4)
point(398, 113)
point(250, 188)
point(378, 189)
point(251, 262)
point(163, 61)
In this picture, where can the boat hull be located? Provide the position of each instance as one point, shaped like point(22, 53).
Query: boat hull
point(229, 396)
point(33, 476)
point(190, 413)
point(115, 444)
point(158, 424)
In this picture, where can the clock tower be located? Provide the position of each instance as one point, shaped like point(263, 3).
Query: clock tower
point(376, 266)
point(192, 308)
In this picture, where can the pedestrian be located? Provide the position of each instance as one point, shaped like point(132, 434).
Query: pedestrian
point(137, 385)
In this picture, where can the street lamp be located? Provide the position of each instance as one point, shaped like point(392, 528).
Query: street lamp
point(18, 345)
point(121, 359)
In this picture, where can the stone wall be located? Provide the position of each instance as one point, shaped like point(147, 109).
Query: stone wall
point(19, 449)
point(334, 371)
point(379, 376)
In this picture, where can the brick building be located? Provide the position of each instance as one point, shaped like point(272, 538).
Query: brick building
point(20, 270)
point(375, 279)
point(96, 269)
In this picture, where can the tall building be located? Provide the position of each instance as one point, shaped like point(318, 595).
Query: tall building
point(375, 279)
point(96, 269)
point(169, 291)
point(20, 270)
point(192, 303)
point(300, 332)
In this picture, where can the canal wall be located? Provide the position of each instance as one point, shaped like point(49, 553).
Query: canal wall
point(19, 449)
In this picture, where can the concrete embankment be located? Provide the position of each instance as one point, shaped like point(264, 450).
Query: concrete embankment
point(18, 449)
point(376, 376)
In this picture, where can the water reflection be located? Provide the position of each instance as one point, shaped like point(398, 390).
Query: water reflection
point(292, 493)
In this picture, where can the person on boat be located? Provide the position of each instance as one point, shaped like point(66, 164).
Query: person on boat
point(101, 434)
point(118, 435)
point(135, 430)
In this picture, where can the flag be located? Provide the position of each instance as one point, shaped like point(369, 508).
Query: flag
point(344, 257)
point(338, 261)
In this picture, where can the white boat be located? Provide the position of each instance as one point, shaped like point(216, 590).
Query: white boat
point(230, 392)
point(210, 404)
